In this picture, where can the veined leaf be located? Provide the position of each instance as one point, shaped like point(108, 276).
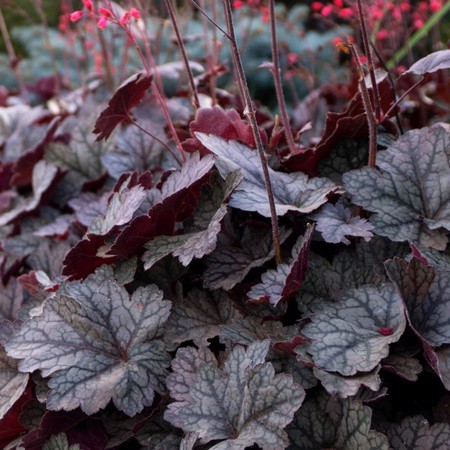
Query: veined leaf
point(410, 194)
point(241, 403)
point(97, 343)
point(292, 192)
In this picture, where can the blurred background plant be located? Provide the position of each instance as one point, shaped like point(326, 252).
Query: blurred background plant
point(47, 42)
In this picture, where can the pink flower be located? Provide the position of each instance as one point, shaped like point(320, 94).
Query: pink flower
point(76, 16)
point(104, 12)
point(316, 6)
point(102, 23)
point(265, 14)
point(238, 4)
point(326, 11)
point(88, 4)
point(292, 58)
point(125, 18)
point(435, 5)
point(135, 13)
point(346, 13)
point(383, 34)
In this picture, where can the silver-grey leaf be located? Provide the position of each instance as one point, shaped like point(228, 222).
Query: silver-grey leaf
point(354, 334)
point(292, 192)
point(12, 382)
point(336, 222)
point(97, 343)
point(199, 316)
point(410, 194)
point(241, 403)
point(415, 433)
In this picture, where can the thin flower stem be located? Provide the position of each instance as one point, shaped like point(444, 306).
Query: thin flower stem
point(203, 12)
point(46, 34)
point(107, 60)
point(403, 96)
point(392, 83)
point(368, 108)
point(368, 53)
point(173, 18)
point(156, 138)
point(251, 114)
point(277, 78)
point(158, 95)
point(12, 56)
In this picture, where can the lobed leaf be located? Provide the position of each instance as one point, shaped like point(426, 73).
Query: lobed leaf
point(97, 343)
point(426, 294)
point(280, 284)
point(129, 94)
point(348, 336)
point(433, 62)
point(12, 382)
point(200, 237)
point(292, 192)
point(199, 317)
point(335, 222)
point(410, 193)
point(241, 403)
point(415, 433)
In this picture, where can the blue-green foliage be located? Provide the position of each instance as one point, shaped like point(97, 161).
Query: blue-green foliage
point(315, 50)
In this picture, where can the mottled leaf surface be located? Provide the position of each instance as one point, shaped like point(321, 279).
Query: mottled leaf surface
point(324, 422)
point(415, 433)
point(59, 442)
point(199, 316)
point(348, 336)
point(336, 223)
point(43, 179)
point(200, 235)
point(281, 283)
point(97, 343)
point(12, 382)
point(121, 207)
point(241, 403)
point(426, 294)
point(410, 192)
point(11, 299)
point(230, 263)
point(292, 192)
point(343, 387)
point(354, 430)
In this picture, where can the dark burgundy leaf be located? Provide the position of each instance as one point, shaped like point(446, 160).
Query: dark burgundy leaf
point(23, 168)
point(87, 250)
point(129, 94)
point(280, 284)
point(226, 124)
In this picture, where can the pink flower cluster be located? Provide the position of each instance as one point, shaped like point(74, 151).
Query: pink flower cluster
point(385, 15)
point(255, 4)
point(105, 15)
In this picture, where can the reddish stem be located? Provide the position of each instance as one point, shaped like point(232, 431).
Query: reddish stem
point(277, 78)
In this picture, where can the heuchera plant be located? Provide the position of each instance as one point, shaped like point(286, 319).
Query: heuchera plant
point(183, 268)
